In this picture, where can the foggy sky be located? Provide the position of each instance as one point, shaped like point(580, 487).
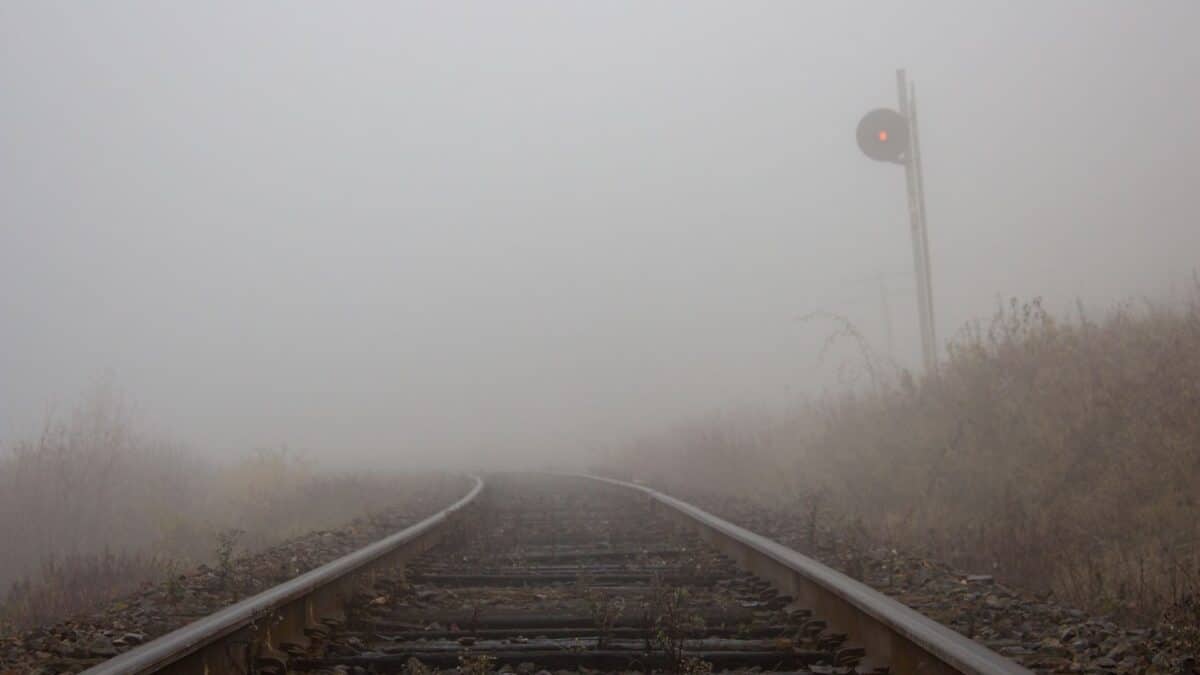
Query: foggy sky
point(458, 231)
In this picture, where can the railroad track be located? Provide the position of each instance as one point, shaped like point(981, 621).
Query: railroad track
point(537, 572)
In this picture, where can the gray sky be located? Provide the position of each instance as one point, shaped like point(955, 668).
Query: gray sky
point(455, 230)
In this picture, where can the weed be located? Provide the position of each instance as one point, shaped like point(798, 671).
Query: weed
point(414, 667)
point(480, 664)
point(226, 544)
point(173, 586)
point(672, 624)
point(1181, 625)
point(605, 610)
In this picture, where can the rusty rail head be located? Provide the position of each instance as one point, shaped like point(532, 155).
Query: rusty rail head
point(170, 648)
point(865, 613)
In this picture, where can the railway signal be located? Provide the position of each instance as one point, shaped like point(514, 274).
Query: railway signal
point(883, 135)
point(887, 135)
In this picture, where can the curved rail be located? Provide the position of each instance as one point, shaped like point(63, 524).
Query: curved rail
point(277, 613)
point(908, 641)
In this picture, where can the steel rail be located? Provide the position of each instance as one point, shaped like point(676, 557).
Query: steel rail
point(902, 638)
point(278, 614)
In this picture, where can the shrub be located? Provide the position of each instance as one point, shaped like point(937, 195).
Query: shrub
point(93, 507)
point(1064, 455)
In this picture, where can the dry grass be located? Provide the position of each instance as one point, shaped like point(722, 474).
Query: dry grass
point(1063, 455)
point(63, 586)
point(92, 508)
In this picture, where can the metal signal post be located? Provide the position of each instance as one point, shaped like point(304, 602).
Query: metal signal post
point(915, 180)
point(892, 136)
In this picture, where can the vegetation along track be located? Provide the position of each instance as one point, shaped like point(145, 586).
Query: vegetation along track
point(539, 572)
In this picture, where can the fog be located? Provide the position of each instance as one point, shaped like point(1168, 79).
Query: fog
point(489, 232)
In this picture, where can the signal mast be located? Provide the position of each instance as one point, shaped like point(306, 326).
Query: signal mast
point(887, 135)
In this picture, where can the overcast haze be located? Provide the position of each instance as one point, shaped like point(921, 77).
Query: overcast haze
point(449, 231)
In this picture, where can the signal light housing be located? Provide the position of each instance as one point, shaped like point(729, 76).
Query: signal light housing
point(883, 136)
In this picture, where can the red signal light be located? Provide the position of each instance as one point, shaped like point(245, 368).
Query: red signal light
point(882, 135)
